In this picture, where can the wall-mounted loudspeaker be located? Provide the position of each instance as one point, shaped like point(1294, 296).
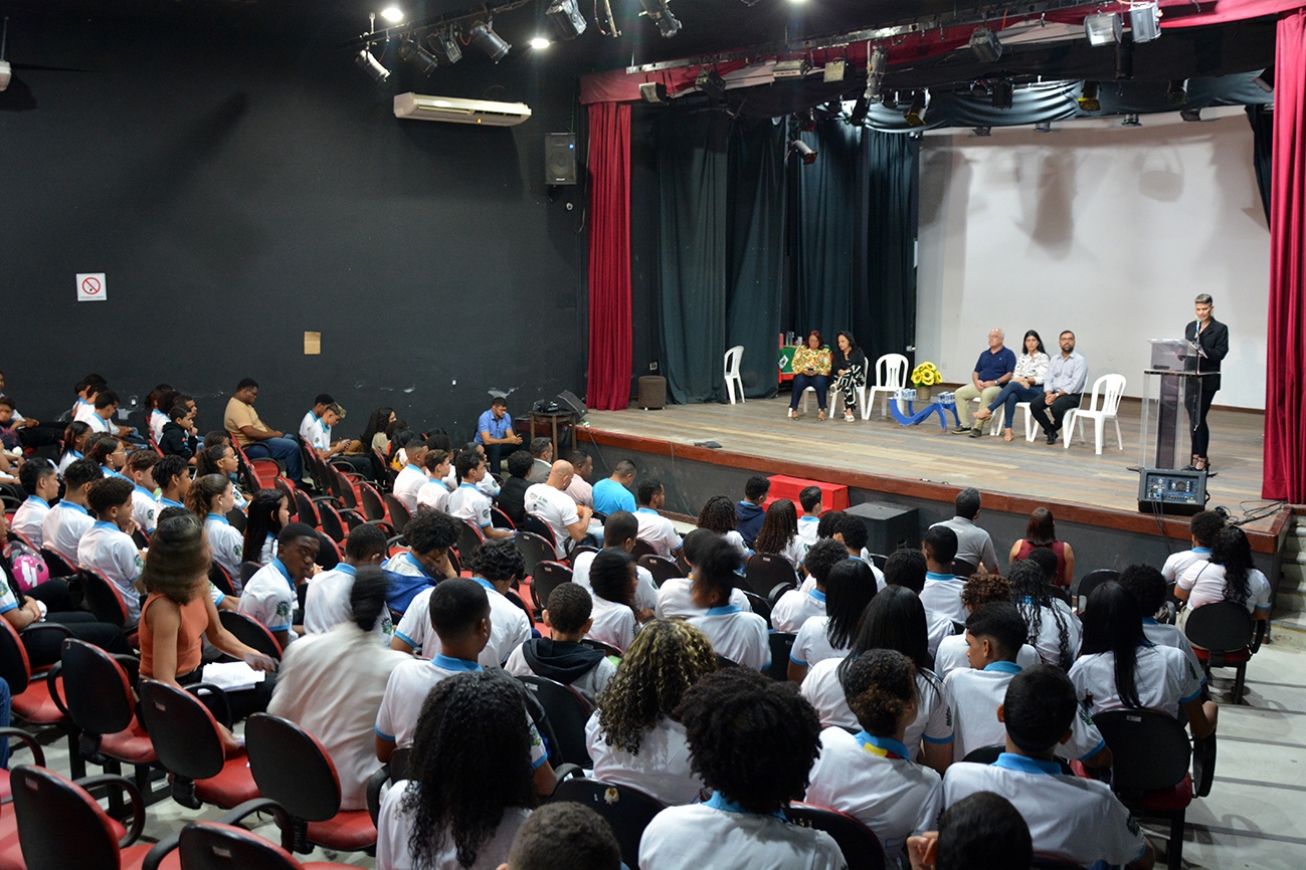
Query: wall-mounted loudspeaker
point(560, 158)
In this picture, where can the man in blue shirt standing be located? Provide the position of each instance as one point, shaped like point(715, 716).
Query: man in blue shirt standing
point(995, 367)
point(493, 430)
point(1063, 388)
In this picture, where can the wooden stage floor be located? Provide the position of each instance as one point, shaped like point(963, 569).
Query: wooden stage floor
point(923, 454)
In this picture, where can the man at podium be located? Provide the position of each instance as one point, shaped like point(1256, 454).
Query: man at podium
point(1208, 343)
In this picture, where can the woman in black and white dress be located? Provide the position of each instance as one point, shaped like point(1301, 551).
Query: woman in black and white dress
point(849, 366)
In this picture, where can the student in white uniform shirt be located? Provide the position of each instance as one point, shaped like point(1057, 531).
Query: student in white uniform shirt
point(1121, 670)
point(1228, 576)
point(495, 566)
point(870, 775)
point(675, 597)
point(412, 477)
point(562, 657)
point(1147, 585)
point(327, 601)
point(942, 591)
point(779, 533)
point(613, 580)
point(742, 827)
point(1073, 818)
point(564, 836)
point(810, 522)
point(467, 502)
point(1054, 629)
point(211, 496)
point(109, 451)
point(317, 424)
point(980, 589)
point(797, 605)
point(470, 781)
point(430, 535)
point(718, 515)
point(145, 507)
point(654, 528)
point(172, 475)
point(41, 483)
point(994, 632)
point(738, 636)
point(434, 494)
point(74, 444)
point(268, 514)
point(67, 521)
point(983, 830)
point(331, 683)
point(619, 531)
point(893, 620)
point(486, 484)
point(1202, 528)
point(101, 417)
point(849, 589)
point(107, 546)
point(549, 501)
point(632, 737)
point(270, 595)
point(908, 569)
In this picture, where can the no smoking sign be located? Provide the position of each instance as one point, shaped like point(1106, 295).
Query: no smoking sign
point(91, 287)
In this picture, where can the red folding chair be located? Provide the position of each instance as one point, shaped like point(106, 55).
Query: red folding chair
point(31, 700)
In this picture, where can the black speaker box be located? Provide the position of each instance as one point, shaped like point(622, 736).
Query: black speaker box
point(889, 527)
point(573, 403)
point(560, 158)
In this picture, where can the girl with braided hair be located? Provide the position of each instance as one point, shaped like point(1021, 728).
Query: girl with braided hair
point(632, 737)
point(1054, 630)
point(718, 515)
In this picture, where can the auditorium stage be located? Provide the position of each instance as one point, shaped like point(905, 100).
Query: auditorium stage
point(879, 455)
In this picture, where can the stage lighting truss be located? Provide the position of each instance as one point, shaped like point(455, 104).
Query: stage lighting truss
point(659, 12)
point(566, 18)
point(444, 46)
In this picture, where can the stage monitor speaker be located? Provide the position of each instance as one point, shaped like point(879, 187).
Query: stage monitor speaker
point(652, 393)
point(888, 527)
point(573, 403)
point(560, 158)
point(1171, 491)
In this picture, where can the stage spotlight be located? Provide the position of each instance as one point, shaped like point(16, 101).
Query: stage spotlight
point(985, 44)
point(418, 57)
point(710, 83)
point(1003, 93)
point(807, 120)
point(1178, 91)
point(653, 92)
point(566, 18)
point(1265, 81)
point(803, 150)
point(495, 46)
point(1043, 127)
point(393, 14)
point(659, 12)
point(1145, 21)
point(920, 102)
point(539, 43)
point(978, 89)
point(1102, 29)
point(1191, 114)
point(1131, 120)
point(370, 65)
point(982, 131)
point(444, 46)
point(1088, 98)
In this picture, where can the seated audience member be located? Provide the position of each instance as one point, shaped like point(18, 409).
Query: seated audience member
point(512, 496)
point(400, 437)
point(979, 590)
point(269, 512)
point(735, 634)
point(86, 393)
point(580, 490)
point(909, 568)
point(655, 529)
point(101, 419)
point(487, 484)
point(41, 483)
point(849, 589)
point(980, 832)
point(853, 534)
point(31, 433)
point(1228, 576)
point(634, 737)
point(256, 439)
point(942, 591)
point(217, 436)
point(158, 416)
point(211, 498)
point(796, 606)
point(1054, 629)
point(74, 444)
point(434, 495)
point(1119, 669)
point(994, 635)
point(1041, 532)
point(473, 778)
point(810, 501)
point(549, 501)
point(1147, 585)
point(412, 477)
point(494, 432)
point(751, 512)
point(1202, 528)
point(172, 476)
point(315, 424)
point(562, 657)
point(996, 366)
point(145, 507)
point(718, 516)
point(871, 775)
point(271, 593)
point(109, 452)
point(1026, 385)
point(613, 493)
point(564, 836)
point(107, 547)
point(1073, 818)
point(742, 826)
point(221, 600)
point(220, 459)
point(331, 683)
point(612, 578)
point(468, 502)
point(542, 454)
point(178, 615)
point(619, 531)
point(328, 602)
point(495, 566)
point(374, 440)
point(779, 533)
point(177, 435)
point(974, 545)
point(429, 535)
point(893, 620)
point(1062, 389)
point(675, 597)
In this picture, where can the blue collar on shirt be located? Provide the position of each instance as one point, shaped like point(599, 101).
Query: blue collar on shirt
point(82, 401)
point(280, 566)
point(1003, 667)
point(808, 518)
point(143, 491)
point(415, 468)
point(646, 510)
point(449, 663)
point(109, 471)
point(1025, 764)
point(37, 498)
point(884, 747)
point(723, 610)
point(942, 578)
point(219, 518)
point(418, 565)
point(489, 587)
point(1203, 551)
point(818, 595)
point(1147, 620)
point(75, 453)
point(105, 524)
point(346, 568)
point(167, 502)
point(718, 802)
point(468, 485)
point(74, 506)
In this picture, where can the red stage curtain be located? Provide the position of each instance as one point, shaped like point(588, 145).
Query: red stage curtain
point(609, 269)
point(1285, 425)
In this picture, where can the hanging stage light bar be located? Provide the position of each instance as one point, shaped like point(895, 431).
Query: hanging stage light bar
point(1145, 21)
point(494, 45)
point(444, 46)
point(1103, 29)
point(370, 65)
point(985, 44)
point(660, 14)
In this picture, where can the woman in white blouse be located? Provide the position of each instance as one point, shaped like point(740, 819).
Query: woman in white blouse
point(1026, 385)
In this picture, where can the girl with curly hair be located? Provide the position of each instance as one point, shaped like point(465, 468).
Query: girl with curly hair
point(633, 738)
point(718, 515)
point(1054, 629)
point(979, 589)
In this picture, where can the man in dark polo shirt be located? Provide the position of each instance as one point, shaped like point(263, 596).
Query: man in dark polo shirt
point(995, 367)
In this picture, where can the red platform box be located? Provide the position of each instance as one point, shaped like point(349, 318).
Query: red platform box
point(834, 496)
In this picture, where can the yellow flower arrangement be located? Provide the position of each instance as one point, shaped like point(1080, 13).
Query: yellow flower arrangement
point(926, 375)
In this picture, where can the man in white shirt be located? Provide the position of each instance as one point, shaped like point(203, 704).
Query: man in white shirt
point(327, 602)
point(1203, 528)
point(974, 545)
point(468, 502)
point(41, 484)
point(549, 501)
point(942, 591)
point(412, 477)
point(619, 532)
point(107, 546)
point(331, 684)
point(64, 525)
point(580, 490)
point(316, 427)
point(654, 528)
point(270, 594)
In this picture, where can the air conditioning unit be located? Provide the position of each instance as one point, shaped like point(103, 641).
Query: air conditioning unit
point(420, 107)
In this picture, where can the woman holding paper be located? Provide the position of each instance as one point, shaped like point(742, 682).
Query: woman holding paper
point(179, 611)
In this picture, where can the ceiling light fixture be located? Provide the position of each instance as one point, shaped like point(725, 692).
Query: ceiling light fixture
point(393, 14)
point(419, 57)
point(806, 152)
point(659, 12)
point(1145, 21)
point(1088, 100)
point(370, 65)
point(985, 44)
point(1102, 29)
point(444, 45)
point(566, 18)
point(496, 48)
point(539, 43)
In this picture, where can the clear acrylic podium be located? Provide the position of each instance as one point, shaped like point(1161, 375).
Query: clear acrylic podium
point(1169, 412)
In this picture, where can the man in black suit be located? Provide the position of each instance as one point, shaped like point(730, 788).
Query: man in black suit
point(1208, 343)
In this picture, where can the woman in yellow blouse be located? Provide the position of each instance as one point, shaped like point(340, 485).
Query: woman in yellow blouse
point(811, 369)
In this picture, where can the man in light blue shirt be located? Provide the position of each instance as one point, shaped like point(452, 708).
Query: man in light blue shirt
point(1063, 388)
point(613, 493)
point(493, 430)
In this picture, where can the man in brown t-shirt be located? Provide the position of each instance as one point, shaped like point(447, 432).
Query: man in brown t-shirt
point(253, 435)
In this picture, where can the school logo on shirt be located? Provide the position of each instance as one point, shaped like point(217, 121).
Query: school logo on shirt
point(237, 550)
point(149, 514)
point(140, 563)
point(283, 608)
point(387, 627)
point(1134, 829)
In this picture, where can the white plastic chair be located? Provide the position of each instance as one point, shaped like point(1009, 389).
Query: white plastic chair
point(999, 418)
point(733, 358)
point(1111, 387)
point(890, 376)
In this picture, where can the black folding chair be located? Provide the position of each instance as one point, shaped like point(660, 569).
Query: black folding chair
point(662, 568)
point(627, 810)
point(535, 549)
point(1091, 581)
point(782, 643)
point(250, 632)
point(568, 712)
point(765, 571)
point(469, 538)
point(860, 847)
point(759, 604)
point(1224, 635)
point(547, 577)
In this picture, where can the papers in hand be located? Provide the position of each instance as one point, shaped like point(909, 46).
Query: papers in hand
point(232, 676)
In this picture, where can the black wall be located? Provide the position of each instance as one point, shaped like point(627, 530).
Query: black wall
point(241, 188)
